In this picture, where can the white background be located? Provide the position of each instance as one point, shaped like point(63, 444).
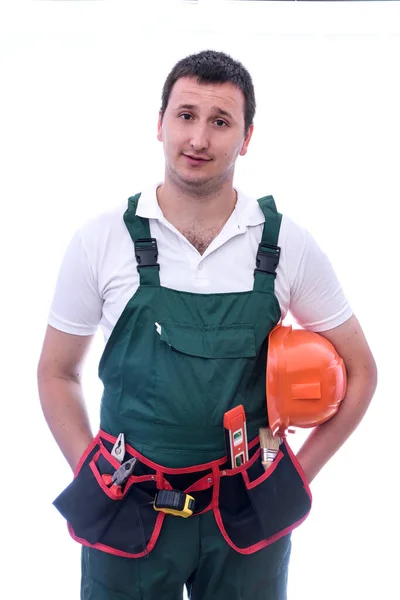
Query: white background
point(80, 88)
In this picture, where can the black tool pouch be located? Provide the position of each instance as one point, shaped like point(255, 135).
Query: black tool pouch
point(258, 506)
point(252, 507)
point(122, 523)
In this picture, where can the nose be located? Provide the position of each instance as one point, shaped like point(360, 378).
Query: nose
point(199, 139)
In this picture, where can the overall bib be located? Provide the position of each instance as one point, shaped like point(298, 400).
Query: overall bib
point(173, 365)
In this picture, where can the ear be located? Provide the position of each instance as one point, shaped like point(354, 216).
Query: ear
point(159, 127)
point(246, 142)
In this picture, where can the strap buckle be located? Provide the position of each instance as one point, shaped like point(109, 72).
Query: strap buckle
point(146, 253)
point(267, 259)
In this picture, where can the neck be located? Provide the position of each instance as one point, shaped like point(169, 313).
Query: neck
point(181, 207)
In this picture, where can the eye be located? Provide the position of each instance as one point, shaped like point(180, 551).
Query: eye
point(220, 123)
point(185, 116)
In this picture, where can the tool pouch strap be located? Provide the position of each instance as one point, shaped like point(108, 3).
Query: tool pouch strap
point(252, 507)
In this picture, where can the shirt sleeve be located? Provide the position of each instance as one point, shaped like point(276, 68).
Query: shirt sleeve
point(317, 300)
point(77, 304)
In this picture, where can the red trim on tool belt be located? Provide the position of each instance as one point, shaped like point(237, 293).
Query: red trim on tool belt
point(168, 470)
point(260, 545)
point(268, 473)
point(215, 495)
point(160, 481)
point(248, 550)
point(88, 450)
point(201, 484)
point(254, 442)
point(299, 468)
point(158, 467)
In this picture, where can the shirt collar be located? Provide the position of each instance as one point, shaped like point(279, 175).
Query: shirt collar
point(248, 211)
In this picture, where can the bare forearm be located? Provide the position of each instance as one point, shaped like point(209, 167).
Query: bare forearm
point(324, 441)
point(65, 412)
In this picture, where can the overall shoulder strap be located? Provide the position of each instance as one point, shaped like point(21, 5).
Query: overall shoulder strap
point(268, 251)
point(146, 251)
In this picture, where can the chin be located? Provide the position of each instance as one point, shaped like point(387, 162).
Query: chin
point(192, 179)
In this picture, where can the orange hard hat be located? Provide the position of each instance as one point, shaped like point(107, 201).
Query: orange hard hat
point(306, 379)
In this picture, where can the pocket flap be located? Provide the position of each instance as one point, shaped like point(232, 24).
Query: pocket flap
point(231, 341)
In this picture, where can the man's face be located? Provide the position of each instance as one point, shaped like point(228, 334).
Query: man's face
point(203, 134)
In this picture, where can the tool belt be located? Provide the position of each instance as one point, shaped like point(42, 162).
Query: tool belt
point(253, 507)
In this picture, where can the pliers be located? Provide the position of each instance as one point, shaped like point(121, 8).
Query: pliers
point(115, 481)
point(118, 450)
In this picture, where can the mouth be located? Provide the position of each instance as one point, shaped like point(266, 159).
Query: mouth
point(196, 160)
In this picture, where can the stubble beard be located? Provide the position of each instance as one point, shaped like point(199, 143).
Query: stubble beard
point(201, 187)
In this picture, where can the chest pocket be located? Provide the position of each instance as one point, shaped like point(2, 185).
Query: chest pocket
point(231, 341)
point(201, 372)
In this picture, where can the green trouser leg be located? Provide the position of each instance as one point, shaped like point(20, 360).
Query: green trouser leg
point(224, 574)
point(159, 576)
point(189, 552)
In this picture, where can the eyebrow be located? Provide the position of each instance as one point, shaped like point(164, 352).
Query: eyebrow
point(216, 109)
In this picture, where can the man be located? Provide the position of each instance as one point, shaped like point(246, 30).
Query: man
point(171, 279)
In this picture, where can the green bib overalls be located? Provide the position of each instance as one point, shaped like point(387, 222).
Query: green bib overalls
point(173, 365)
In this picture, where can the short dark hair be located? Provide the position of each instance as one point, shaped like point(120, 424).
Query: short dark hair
point(210, 66)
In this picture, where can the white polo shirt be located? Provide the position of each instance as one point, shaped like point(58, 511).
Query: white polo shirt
point(98, 274)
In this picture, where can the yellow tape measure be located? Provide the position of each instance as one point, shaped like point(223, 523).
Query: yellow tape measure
point(173, 502)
